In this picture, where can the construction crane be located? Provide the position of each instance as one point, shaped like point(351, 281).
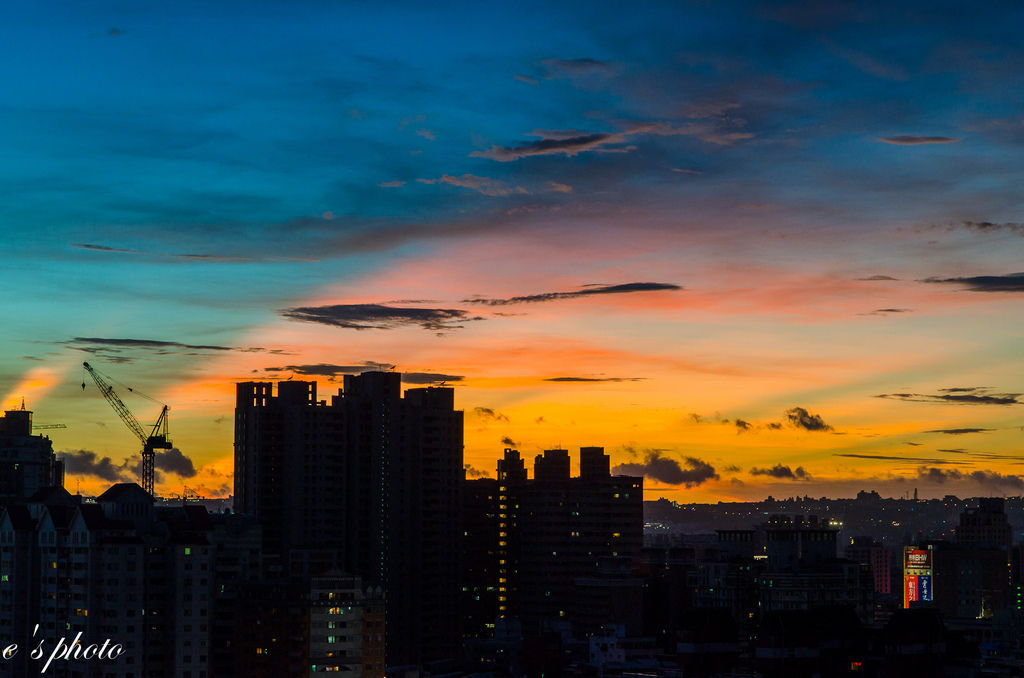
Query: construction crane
point(155, 440)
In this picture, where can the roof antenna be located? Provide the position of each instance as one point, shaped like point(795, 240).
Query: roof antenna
point(22, 403)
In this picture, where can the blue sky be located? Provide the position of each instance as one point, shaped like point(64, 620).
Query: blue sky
point(188, 173)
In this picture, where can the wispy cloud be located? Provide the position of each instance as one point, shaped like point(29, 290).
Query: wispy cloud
point(568, 147)
point(556, 68)
point(483, 185)
point(328, 369)
point(379, 317)
point(196, 257)
point(593, 379)
point(428, 378)
point(959, 431)
point(122, 350)
point(975, 395)
point(885, 457)
point(986, 227)
point(722, 132)
point(145, 343)
point(912, 140)
point(595, 290)
point(488, 413)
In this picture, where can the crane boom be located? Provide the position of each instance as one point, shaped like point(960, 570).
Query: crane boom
point(157, 438)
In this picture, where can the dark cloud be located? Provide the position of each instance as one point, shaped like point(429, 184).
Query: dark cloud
point(378, 317)
point(87, 463)
point(488, 413)
point(475, 473)
point(593, 290)
point(429, 377)
point(993, 227)
point(910, 140)
point(173, 461)
point(877, 278)
point(801, 418)
point(569, 146)
point(742, 425)
point(667, 470)
point(961, 396)
point(144, 343)
point(1011, 282)
point(883, 457)
point(996, 479)
point(210, 258)
point(322, 369)
point(938, 475)
point(732, 468)
point(483, 185)
point(724, 130)
point(887, 311)
point(508, 442)
point(992, 480)
point(782, 472)
point(587, 379)
point(575, 67)
point(959, 431)
point(114, 350)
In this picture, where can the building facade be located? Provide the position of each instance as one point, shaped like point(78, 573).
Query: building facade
point(369, 483)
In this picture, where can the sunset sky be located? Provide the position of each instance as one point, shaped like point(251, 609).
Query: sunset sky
point(749, 248)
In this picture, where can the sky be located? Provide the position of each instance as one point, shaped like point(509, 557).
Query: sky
point(749, 248)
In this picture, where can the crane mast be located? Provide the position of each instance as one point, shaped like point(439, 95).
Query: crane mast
point(154, 440)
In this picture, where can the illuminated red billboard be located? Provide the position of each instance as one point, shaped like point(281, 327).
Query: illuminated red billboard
point(910, 593)
point(917, 559)
point(917, 575)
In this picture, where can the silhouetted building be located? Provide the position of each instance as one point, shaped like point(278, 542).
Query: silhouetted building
point(876, 558)
point(798, 541)
point(27, 462)
point(986, 525)
point(554, 530)
point(117, 568)
point(369, 483)
point(608, 597)
point(481, 565)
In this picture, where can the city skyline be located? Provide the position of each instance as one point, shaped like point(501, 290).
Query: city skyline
point(747, 248)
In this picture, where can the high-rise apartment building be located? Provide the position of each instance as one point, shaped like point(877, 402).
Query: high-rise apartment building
point(117, 568)
point(551, 531)
point(368, 483)
point(27, 462)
